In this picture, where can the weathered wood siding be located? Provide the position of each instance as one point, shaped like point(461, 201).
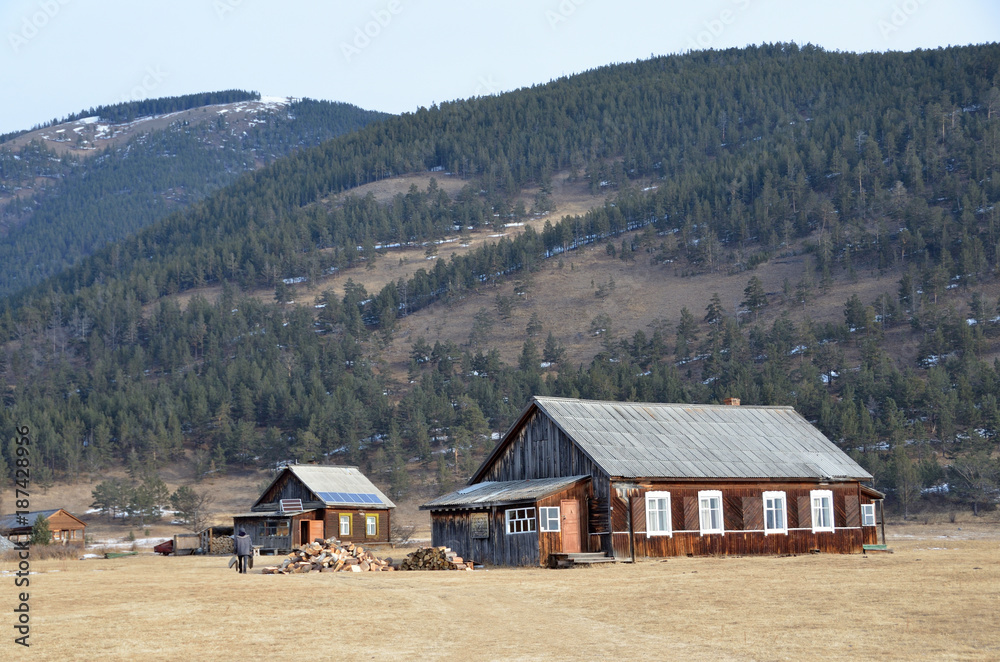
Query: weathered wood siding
point(743, 517)
point(453, 529)
point(551, 542)
point(255, 529)
point(288, 486)
point(870, 533)
point(539, 449)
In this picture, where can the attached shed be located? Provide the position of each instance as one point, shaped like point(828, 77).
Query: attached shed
point(66, 529)
point(479, 518)
point(306, 502)
point(661, 480)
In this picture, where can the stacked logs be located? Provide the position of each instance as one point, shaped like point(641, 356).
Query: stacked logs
point(330, 556)
point(435, 558)
point(221, 545)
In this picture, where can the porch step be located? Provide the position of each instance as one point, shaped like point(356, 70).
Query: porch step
point(580, 558)
point(881, 549)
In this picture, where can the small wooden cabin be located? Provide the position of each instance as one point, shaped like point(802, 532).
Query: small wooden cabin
point(306, 502)
point(66, 528)
point(650, 480)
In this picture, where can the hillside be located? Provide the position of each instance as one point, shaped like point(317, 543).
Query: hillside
point(779, 224)
point(68, 188)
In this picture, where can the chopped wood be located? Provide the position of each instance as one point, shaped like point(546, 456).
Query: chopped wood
point(434, 558)
point(330, 556)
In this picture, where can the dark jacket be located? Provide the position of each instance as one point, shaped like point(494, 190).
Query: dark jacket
point(244, 546)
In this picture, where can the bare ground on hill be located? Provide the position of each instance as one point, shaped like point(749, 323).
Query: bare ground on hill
point(564, 290)
point(935, 598)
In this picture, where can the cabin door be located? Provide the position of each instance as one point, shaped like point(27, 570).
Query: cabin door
point(311, 529)
point(570, 525)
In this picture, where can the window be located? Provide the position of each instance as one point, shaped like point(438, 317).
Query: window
point(520, 520)
point(345, 525)
point(548, 518)
point(276, 528)
point(775, 513)
point(868, 514)
point(822, 510)
point(371, 525)
point(710, 511)
point(658, 514)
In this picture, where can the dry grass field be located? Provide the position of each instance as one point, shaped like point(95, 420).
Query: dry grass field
point(935, 598)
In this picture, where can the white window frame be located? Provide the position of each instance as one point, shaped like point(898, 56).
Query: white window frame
point(520, 520)
point(650, 513)
point(371, 525)
point(868, 515)
point(816, 498)
point(707, 495)
point(783, 524)
point(344, 518)
point(546, 516)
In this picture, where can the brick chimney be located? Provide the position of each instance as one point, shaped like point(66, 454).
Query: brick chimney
point(731, 402)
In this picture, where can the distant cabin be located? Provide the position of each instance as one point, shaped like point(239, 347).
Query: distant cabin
point(628, 480)
point(306, 502)
point(66, 528)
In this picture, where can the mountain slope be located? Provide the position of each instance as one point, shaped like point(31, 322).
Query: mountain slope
point(68, 189)
point(784, 178)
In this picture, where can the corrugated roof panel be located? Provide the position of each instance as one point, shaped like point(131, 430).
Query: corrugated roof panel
point(502, 492)
point(340, 485)
point(654, 440)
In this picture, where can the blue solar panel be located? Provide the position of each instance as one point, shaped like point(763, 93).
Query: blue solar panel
point(348, 497)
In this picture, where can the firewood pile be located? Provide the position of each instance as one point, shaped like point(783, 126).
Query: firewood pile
point(221, 545)
point(435, 558)
point(330, 556)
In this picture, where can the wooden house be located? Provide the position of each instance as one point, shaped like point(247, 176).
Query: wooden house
point(306, 502)
point(66, 529)
point(627, 480)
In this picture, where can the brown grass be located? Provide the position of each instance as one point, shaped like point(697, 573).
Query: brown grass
point(935, 598)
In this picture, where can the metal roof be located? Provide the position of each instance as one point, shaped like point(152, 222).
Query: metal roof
point(656, 440)
point(498, 493)
point(9, 522)
point(336, 486)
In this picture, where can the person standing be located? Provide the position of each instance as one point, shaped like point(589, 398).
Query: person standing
point(243, 549)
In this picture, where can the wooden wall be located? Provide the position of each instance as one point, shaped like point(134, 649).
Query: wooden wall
point(551, 543)
point(453, 529)
point(288, 486)
point(255, 529)
point(66, 529)
point(742, 509)
point(358, 525)
point(539, 449)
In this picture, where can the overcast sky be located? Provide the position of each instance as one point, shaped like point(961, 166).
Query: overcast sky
point(61, 56)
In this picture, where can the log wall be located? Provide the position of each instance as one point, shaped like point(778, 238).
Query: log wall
point(743, 517)
point(539, 449)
